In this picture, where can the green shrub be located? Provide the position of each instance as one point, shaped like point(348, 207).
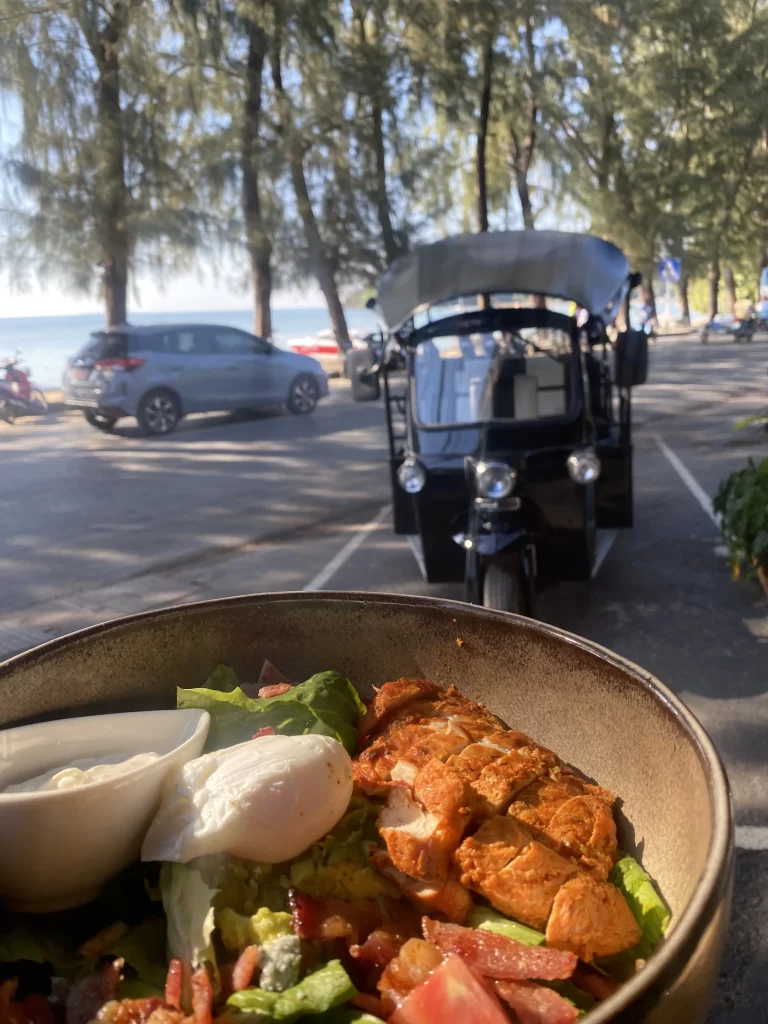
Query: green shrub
point(742, 502)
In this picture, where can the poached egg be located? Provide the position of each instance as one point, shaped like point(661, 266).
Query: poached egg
point(264, 800)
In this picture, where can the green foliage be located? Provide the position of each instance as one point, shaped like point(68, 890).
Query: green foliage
point(742, 502)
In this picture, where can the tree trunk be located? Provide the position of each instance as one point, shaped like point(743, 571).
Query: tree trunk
point(713, 276)
point(256, 236)
point(647, 292)
point(522, 155)
point(482, 135)
point(730, 291)
point(391, 247)
point(685, 309)
point(317, 254)
point(112, 191)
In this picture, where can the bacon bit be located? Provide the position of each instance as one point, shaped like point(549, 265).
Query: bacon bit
point(332, 919)
point(87, 996)
point(594, 984)
point(202, 997)
point(379, 948)
point(535, 1004)
point(368, 1004)
point(265, 730)
point(173, 982)
point(496, 956)
point(275, 690)
point(459, 642)
point(100, 943)
point(242, 973)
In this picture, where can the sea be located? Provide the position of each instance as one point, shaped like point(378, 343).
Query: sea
point(47, 342)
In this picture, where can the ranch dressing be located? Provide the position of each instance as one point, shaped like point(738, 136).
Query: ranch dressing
point(83, 772)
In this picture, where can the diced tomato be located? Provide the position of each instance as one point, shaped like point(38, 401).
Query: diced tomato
point(450, 993)
point(265, 730)
point(275, 690)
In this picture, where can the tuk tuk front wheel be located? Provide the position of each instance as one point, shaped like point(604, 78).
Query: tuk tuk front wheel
point(506, 588)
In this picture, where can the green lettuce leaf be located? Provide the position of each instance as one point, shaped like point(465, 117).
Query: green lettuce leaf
point(343, 1015)
point(188, 905)
point(143, 948)
point(327, 988)
point(222, 678)
point(648, 907)
point(337, 866)
point(490, 921)
point(327, 704)
point(24, 944)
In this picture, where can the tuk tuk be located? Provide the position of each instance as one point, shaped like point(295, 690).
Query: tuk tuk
point(510, 432)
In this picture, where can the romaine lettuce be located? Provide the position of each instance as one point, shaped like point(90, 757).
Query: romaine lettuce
point(188, 905)
point(648, 907)
point(490, 921)
point(327, 704)
point(319, 992)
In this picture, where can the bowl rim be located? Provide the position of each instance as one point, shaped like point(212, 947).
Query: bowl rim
point(8, 800)
point(712, 885)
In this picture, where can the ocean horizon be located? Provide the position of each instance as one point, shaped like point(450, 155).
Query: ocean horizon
point(47, 342)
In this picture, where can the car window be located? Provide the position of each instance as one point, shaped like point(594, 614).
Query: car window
point(233, 343)
point(102, 345)
point(159, 342)
point(191, 341)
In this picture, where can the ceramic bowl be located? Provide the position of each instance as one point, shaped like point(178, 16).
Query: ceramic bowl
point(606, 716)
point(58, 847)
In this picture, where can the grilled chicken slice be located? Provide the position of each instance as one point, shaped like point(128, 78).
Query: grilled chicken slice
point(517, 874)
point(497, 842)
point(591, 918)
point(391, 698)
point(584, 828)
point(573, 817)
point(395, 757)
point(501, 780)
point(449, 898)
point(422, 832)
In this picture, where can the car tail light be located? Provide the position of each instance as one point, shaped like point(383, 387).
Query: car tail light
point(127, 365)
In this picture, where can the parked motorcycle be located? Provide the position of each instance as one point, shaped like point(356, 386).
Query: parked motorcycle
point(18, 395)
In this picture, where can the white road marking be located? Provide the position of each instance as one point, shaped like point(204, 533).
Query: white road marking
point(689, 480)
point(752, 837)
point(418, 554)
point(354, 542)
point(605, 539)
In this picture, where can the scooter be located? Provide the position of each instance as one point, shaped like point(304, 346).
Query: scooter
point(18, 396)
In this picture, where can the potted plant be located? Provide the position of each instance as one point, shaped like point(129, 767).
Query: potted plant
point(742, 502)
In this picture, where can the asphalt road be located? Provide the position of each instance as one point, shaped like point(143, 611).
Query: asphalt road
point(97, 525)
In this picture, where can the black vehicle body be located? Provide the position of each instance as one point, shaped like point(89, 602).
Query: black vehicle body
point(507, 546)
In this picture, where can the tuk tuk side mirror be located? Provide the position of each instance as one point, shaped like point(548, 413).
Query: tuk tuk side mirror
point(630, 359)
point(635, 280)
point(371, 303)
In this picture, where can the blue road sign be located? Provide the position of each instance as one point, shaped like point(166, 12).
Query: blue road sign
point(669, 270)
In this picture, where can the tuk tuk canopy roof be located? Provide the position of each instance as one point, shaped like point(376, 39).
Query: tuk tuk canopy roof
point(581, 268)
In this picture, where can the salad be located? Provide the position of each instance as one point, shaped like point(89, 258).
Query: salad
point(407, 860)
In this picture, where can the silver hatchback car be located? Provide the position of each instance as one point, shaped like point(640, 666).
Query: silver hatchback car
point(159, 374)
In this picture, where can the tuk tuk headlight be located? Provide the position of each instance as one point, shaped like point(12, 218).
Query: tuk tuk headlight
point(494, 479)
point(411, 475)
point(583, 466)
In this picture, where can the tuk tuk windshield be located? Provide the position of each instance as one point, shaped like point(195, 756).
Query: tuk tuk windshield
point(504, 376)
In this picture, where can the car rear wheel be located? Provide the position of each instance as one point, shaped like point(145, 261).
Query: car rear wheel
point(303, 395)
point(159, 412)
point(99, 420)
